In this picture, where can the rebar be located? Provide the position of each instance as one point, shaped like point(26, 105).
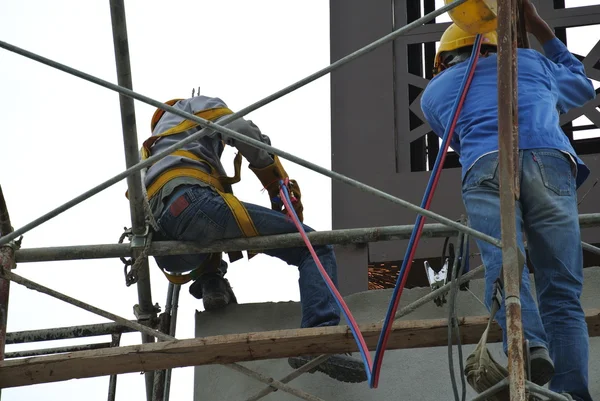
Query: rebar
point(226, 131)
point(55, 350)
point(63, 333)
point(508, 165)
point(134, 181)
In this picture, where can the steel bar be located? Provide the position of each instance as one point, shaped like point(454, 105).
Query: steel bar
point(534, 388)
point(134, 181)
point(7, 263)
point(296, 373)
point(55, 350)
point(172, 330)
point(228, 132)
point(275, 383)
point(507, 140)
point(63, 333)
point(112, 384)
point(491, 391)
point(45, 290)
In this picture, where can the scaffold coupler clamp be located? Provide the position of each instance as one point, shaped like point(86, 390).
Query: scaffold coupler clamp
point(139, 244)
point(7, 260)
point(437, 280)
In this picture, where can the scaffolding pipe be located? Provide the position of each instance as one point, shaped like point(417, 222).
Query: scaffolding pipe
point(55, 350)
point(242, 138)
point(7, 263)
point(271, 382)
point(112, 384)
point(172, 330)
point(551, 395)
point(333, 237)
point(63, 333)
point(508, 132)
point(134, 325)
point(134, 181)
point(160, 376)
point(162, 248)
point(48, 291)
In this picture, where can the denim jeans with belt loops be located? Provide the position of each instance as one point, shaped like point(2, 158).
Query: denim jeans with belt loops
point(547, 213)
point(205, 217)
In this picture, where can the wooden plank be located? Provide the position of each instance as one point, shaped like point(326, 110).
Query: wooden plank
point(241, 347)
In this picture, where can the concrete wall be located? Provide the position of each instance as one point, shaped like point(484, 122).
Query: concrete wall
point(419, 374)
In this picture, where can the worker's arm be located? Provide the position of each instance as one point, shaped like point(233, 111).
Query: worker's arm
point(267, 168)
point(255, 156)
point(567, 73)
point(434, 122)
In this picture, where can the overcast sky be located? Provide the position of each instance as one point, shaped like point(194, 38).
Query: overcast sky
point(61, 136)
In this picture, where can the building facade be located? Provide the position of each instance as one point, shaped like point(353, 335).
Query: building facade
point(380, 137)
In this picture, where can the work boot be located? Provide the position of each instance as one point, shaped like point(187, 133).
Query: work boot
point(542, 367)
point(214, 290)
point(343, 368)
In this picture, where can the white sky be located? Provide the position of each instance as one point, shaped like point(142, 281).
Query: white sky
point(61, 136)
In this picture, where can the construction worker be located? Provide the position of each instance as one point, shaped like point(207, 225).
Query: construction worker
point(549, 172)
point(191, 199)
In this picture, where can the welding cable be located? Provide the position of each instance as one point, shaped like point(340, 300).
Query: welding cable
point(418, 228)
point(358, 337)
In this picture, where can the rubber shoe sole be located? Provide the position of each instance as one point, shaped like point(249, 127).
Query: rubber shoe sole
point(339, 367)
point(542, 367)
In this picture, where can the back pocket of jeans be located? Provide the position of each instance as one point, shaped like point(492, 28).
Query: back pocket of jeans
point(556, 171)
point(482, 173)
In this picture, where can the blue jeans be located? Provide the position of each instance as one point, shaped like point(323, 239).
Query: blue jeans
point(208, 218)
point(547, 213)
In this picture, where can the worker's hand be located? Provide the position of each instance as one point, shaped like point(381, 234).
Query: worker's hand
point(295, 196)
point(536, 24)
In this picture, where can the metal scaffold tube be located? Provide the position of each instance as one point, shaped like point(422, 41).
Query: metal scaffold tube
point(331, 237)
point(508, 135)
point(63, 333)
point(7, 263)
point(134, 181)
point(242, 138)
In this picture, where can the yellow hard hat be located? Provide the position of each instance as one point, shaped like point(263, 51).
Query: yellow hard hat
point(475, 16)
point(454, 38)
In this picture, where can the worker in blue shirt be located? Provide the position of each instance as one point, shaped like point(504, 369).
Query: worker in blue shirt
point(549, 172)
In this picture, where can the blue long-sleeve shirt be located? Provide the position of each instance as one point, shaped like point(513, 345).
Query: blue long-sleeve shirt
point(547, 85)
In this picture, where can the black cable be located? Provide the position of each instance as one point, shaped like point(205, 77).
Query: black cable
point(453, 321)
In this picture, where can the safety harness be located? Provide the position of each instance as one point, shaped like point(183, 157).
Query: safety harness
point(221, 184)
